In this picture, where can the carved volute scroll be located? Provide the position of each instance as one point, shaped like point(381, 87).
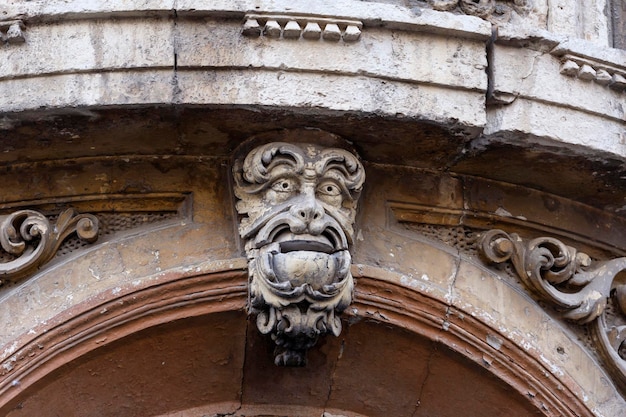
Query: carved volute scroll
point(484, 9)
point(571, 282)
point(298, 204)
point(31, 240)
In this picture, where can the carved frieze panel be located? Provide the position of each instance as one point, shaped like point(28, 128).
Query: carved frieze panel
point(297, 204)
point(585, 286)
point(582, 290)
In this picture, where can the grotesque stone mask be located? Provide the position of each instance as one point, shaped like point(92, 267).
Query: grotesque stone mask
point(298, 204)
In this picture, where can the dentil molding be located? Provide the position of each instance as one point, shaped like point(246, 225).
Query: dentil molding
point(301, 27)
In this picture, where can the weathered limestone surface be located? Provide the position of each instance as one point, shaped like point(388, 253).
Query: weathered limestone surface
point(199, 61)
point(540, 98)
point(467, 117)
point(126, 264)
point(413, 62)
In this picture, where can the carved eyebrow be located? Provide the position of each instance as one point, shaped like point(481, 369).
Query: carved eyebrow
point(260, 164)
point(343, 166)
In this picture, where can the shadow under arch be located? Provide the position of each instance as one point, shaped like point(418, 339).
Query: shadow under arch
point(183, 346)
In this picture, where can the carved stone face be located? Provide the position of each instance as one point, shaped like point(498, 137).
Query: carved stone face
point(299, 203)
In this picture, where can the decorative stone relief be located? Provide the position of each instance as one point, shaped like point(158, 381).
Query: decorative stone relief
point(298, 204)
point(30, 240)
point(573, 284)
point(484, 9)
point(11, 31)
point(302, 27)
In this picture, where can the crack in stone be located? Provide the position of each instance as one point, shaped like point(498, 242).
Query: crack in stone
point(243, 370)
point(176, 90)
point(421, 391)
point(532, 67)
point(332, 374)
point(489, 51)
point(450, 293)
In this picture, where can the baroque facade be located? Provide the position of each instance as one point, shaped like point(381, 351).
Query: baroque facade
point(313, 208)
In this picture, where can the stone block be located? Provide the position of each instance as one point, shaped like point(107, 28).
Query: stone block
point(90, 45)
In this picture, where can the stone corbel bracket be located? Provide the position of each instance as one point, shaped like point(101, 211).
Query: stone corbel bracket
point(298, 203)
point(12, 31)
point(572, 283)
point(301, 27)
point(28, 237)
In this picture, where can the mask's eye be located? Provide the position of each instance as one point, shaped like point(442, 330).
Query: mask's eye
point(329, 188)
point(284, 185)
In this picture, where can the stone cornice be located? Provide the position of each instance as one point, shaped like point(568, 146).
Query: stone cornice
point(371, 14)
point(580, 59)
point(483, 204)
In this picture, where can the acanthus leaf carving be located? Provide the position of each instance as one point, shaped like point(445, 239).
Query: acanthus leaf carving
point(571, 282)
point(29, 236)
point(298, 204)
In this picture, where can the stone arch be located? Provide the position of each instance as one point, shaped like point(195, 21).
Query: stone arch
point(179, 344)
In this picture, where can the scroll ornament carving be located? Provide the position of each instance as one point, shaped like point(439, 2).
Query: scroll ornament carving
point(31, 240)
point(482, 8)
point(571, 282)
point(298, 204)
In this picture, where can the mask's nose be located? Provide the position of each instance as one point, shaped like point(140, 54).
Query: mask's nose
point(307, 210)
